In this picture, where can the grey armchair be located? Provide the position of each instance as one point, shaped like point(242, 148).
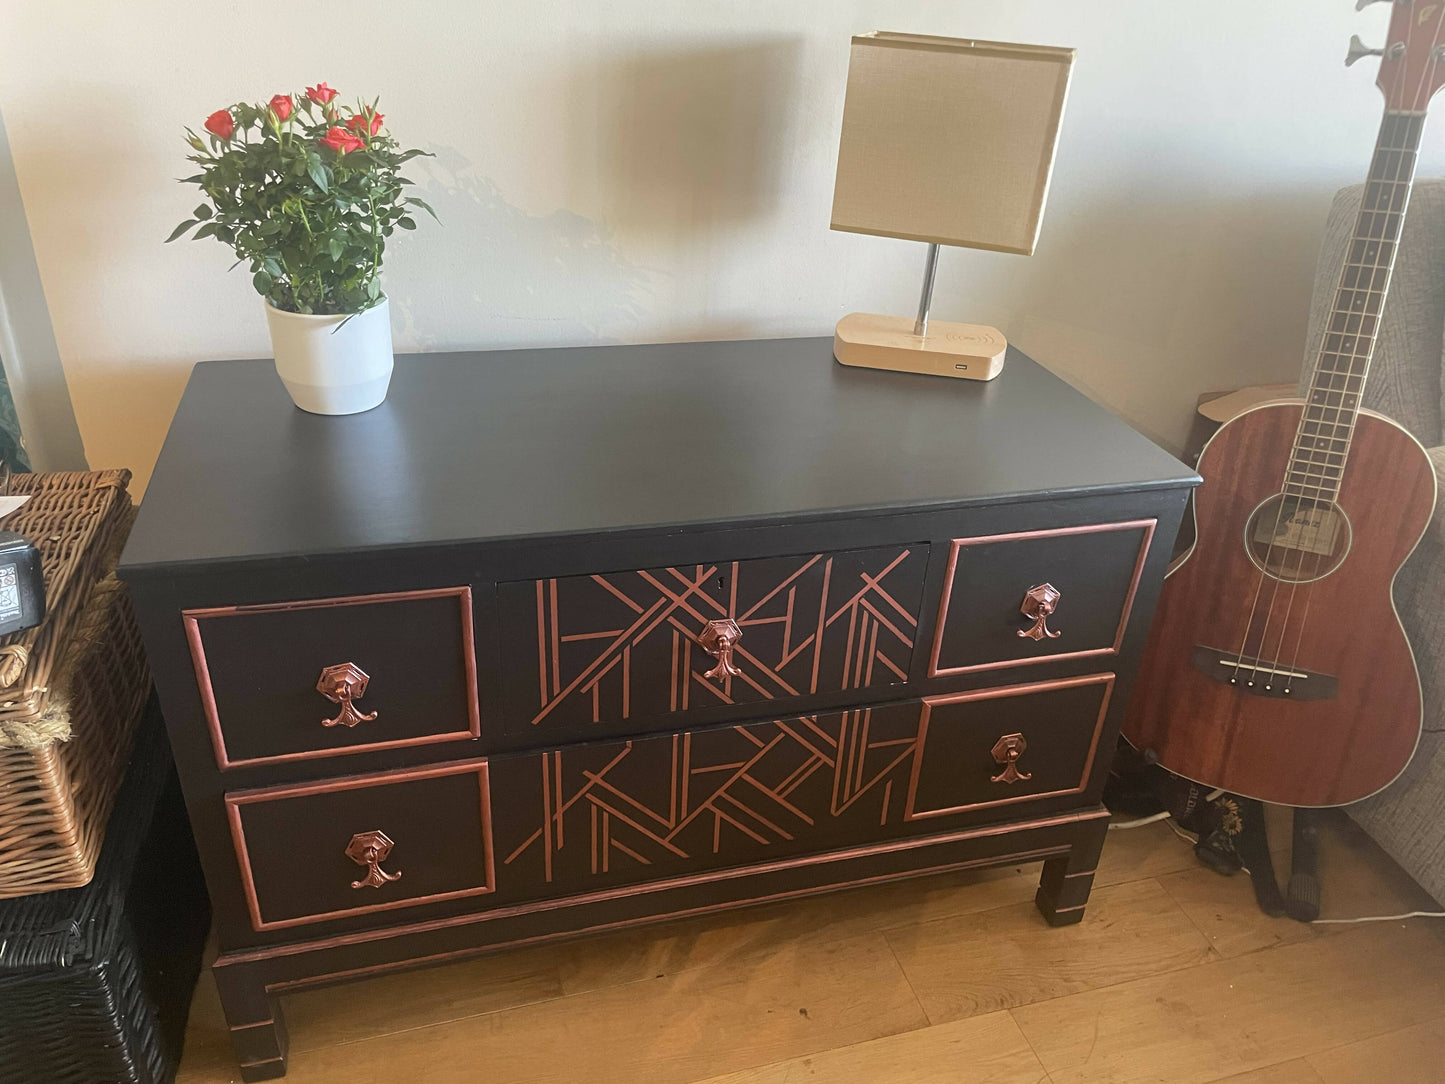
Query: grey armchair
point(1408, 817)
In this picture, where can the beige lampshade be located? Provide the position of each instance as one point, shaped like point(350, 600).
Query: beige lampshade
point(949, 140)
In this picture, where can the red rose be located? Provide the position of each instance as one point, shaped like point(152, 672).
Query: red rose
point(320, 93)
point(221, 124)
point(357, 123)
point(341, 141)
point(281, 105)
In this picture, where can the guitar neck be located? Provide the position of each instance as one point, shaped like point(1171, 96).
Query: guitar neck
point(1322, 444)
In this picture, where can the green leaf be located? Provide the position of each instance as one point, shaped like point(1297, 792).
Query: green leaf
point(208, 230)
point(182, 228)
point(320, 175)
point(406, 223)
point(202, 212)
point(262, 282)
point(423, 204)
point(335, 247)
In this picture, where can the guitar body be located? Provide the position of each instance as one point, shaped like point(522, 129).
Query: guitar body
point(1351, 717)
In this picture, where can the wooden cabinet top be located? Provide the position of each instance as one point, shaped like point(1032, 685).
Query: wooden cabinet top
point(518, 444)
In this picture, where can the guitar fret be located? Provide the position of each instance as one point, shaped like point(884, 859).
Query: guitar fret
point(1318, 493)
point(1327, 422)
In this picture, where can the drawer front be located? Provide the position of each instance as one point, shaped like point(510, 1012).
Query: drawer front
point(690, 805)
point(602, 814)
point(1037, 596)
point(328, 850)
point(327, 677)
point(612, 652)
point(999, 747)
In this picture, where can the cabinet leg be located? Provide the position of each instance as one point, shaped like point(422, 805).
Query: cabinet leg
point(258, 1031)
point(1066, 881)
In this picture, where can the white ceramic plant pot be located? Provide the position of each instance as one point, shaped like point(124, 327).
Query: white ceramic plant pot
point(333, 364)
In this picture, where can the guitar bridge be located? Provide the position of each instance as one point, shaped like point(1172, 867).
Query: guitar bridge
point(1263, 677)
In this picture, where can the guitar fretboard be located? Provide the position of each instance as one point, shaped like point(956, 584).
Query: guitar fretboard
point(1327, 426)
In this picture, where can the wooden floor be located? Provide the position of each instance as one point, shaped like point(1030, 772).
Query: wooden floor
point(1173, 976)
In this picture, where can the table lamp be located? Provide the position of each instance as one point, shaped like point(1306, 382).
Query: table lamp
point(949, 141)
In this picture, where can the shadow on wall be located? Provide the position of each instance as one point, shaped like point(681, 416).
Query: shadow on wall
point(554, 278)
point(1145, 299)
point(685, 140)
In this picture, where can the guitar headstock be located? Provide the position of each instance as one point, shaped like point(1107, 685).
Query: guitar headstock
point(1412, 63)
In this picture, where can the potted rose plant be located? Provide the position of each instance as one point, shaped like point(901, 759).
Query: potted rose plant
point(307, 192)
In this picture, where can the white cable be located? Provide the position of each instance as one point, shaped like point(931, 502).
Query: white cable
point(1188, 837)
point(1378, 918)
point(1153, 818)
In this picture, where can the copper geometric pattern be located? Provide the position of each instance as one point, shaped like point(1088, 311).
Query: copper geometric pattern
point(625, 645)
point(711, 797)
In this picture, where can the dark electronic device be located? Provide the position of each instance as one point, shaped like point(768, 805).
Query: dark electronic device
point(22, 588)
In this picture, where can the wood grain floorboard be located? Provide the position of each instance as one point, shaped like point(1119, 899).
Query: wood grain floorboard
point(1296, 1071)
point(1223, 908)
point(801, 1000)
point(981, 1050)
point(1413, 1055)
point(651, 952)
point(413, 999)
point(1236, 1015)
point(1174, 975)
point(1006, 957)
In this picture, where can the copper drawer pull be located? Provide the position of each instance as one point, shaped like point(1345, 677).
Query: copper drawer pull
point(370, 849)
point(341, 684)
point(1007, 751)
point(718, 639)
point(1039, 603)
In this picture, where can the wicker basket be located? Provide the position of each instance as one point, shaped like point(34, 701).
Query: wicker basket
point(81, 675)
point(95, 982)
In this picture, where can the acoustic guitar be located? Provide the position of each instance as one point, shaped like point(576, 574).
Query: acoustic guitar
point(1278, 668)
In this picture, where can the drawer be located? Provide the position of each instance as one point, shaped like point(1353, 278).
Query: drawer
point(1037, 596)
point(685, 805)
point(326, 677)
point(619, 650)
point(336, 848)
point(997, 747)
point(689, 806)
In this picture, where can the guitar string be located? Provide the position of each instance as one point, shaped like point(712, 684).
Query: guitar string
point(1300, 461)
point(1304, 418)
point(1413, 123)
point(1311, 539)
point(1408, 152)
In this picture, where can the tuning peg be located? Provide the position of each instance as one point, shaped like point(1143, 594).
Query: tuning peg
point(1359, 49)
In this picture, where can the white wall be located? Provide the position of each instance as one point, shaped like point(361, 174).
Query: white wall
point(635, 170)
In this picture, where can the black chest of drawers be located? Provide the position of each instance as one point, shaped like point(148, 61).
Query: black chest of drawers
point(564, 640)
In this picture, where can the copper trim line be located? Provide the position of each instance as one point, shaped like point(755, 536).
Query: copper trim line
point(286, 986)
point(934, 670)
point(235, 800)
point(911, 813)
point(191, 622)
point(732, 873)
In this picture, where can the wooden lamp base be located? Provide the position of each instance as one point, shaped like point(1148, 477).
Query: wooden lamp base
point(970, 351)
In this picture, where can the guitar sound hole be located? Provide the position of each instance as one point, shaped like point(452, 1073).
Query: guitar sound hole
point(1297, 539)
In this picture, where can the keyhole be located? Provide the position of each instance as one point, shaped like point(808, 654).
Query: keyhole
point(719, 583)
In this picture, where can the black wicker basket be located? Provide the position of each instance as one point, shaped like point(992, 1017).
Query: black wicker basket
point(96, 982)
